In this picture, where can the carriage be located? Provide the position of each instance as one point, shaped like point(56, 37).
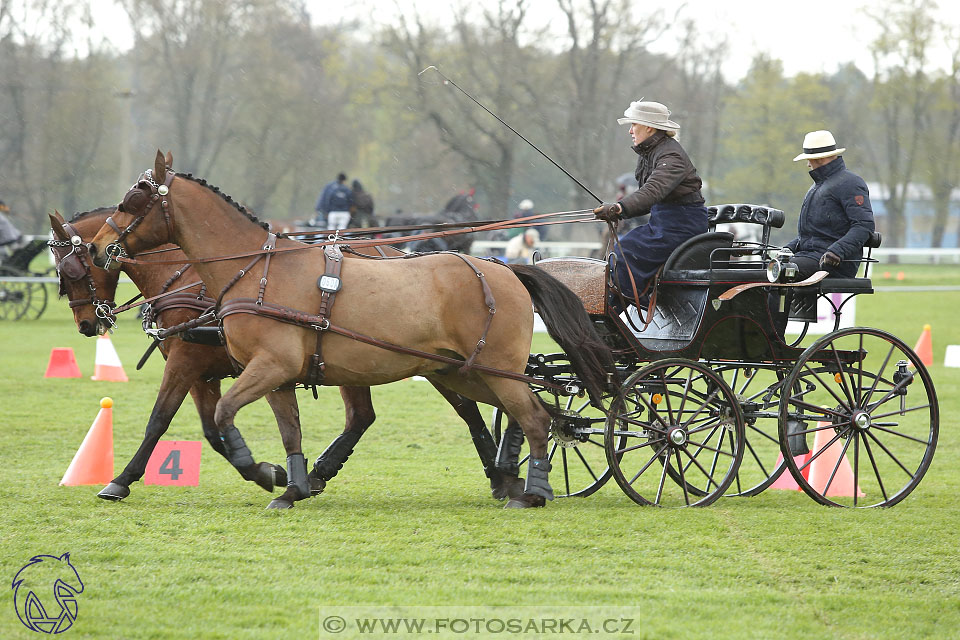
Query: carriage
point(21, 299)
point(702, 398)
point(714, 401)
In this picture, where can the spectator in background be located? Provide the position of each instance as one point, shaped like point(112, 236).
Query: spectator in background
point(524, 209)
point(520, 248)
point(334, 205)
point(362, 207)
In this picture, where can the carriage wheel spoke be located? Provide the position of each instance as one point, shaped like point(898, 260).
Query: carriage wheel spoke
point(836, 467)
point(887, 451)
point(709, 477)
point(822, 449)
point(647, 465)
point(856, 466)
point(897, 433)
point(876, 472)
point(847, 391)
point(585, 463)
point(663, 476)
point(639, 446)
point(898, 412)
point(876, 380)
point(827, 387)
point(566, 473)
point(764, 434)
point(683, 480)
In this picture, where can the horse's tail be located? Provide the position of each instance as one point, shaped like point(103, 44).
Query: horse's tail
point(570, 326)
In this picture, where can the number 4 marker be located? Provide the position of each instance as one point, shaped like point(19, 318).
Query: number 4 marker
point(174, 462)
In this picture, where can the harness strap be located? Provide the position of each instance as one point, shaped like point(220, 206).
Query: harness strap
point(333, 262)
point(491, 307)
point(306, 320)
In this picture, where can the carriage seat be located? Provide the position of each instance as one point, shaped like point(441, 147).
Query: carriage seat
point(586, 277)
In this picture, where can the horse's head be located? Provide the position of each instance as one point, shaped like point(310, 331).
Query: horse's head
point(90, 291)
point(134, 227)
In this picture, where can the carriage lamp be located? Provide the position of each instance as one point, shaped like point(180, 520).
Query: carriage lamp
point(781, 267)
point(902, 379)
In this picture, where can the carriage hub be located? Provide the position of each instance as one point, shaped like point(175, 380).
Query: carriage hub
point(570, 429)
point(861, 420)
point(677, 437)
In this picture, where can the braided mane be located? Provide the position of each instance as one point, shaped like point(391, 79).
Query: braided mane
point(236, 205)
point(80, 215)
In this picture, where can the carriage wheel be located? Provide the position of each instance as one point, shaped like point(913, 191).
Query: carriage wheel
point(38, 300)
point(674, 418)
point(575, 445)
point(868, 410)
point(14, 296)
point(758, 390)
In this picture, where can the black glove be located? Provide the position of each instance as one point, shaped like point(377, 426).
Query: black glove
point(829, 259)
point(608, 211)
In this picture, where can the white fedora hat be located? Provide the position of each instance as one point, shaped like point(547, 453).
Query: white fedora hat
point(819, 144)
point(652, 114)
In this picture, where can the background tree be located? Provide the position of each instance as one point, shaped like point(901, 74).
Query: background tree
point(902, 97)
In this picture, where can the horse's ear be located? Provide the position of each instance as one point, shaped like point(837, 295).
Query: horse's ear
point(56, 224)
point(169, 160)
point(160, 168)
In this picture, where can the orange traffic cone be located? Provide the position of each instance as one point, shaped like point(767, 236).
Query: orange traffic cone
point(63, 364)
point(822, 467)
point(107, 365)
point(924, 347)
point(786, 481)
point(93, 462)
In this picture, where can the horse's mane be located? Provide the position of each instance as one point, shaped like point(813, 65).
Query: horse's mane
point(80, 215)
point(236, 205)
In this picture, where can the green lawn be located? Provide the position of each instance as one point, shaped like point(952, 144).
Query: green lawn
point(409, 521)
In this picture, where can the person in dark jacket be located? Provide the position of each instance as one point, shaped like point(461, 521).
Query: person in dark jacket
point(668, 189)
point(334, 204)
point(362, 207)
point(836, 218)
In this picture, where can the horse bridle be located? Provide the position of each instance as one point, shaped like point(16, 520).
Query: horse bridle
point(139, 201)
point(75, 266)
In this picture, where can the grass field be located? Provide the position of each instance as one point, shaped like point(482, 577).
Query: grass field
point(409, 522)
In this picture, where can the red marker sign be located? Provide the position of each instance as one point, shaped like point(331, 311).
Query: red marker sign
point(174, 462)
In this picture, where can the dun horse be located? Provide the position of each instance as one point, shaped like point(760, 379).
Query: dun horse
point(461, 323)
point(199, 367)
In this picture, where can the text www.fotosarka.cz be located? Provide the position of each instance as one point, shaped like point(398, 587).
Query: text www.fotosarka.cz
point(479, 621)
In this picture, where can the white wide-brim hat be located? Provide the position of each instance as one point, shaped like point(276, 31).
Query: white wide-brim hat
point(652, 114)
point(819, 144)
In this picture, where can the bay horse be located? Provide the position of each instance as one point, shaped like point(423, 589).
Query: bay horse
point(394, 318)
point(199, 368)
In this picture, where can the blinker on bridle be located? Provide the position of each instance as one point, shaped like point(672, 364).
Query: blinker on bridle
point(139, 201)
point(73, 267)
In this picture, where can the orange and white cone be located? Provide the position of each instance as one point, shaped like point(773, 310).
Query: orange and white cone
point(93, 462)
point(107, 364)
point(924, 347)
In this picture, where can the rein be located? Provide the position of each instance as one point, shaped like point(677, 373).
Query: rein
point(542, 219)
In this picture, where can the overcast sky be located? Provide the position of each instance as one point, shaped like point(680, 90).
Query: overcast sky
point(809, 35)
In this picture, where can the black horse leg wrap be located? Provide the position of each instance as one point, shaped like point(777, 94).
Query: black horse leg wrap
point(486, 449)
point(508, 456)
point(237, 451)
point(331, 460)
point(297, 474)
point(537, 482)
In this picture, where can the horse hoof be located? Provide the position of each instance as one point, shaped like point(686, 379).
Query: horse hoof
point(280, 503)
point(279, 476)
point(114, 492)
point(317, 485)
point(506, 487)
point(526, 501)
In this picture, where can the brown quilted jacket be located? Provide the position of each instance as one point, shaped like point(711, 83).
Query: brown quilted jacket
point(665, 174)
